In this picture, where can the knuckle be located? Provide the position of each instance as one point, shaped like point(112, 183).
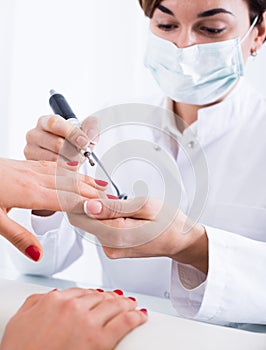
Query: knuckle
point(20, 238)
point(131, 319)
point(53, 157)
point(52, 121)
point(30, 136)
point(32, 298)
point(27, 152)
point(71, 306)
point(59, 144)
point(52, 298)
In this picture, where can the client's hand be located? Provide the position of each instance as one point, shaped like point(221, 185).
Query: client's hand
point(77, 319)
point(40, 185)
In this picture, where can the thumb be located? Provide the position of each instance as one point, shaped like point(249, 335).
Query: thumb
point(138, 208)
point(20, 237)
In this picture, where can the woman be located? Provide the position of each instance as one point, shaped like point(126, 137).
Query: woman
point(197, 51)
point(70, 319)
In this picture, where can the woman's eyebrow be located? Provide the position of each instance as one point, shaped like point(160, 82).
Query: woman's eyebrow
point(165, 10)
point(214, 12)
point(207, 13)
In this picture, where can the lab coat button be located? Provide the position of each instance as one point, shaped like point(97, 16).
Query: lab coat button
point(166, 295)
point(157, 148)
point(191, 144)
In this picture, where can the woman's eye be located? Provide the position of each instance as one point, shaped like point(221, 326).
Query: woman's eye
point(167, 27)
point(212, 30)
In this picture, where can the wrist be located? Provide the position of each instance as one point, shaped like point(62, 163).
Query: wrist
point(195, 252)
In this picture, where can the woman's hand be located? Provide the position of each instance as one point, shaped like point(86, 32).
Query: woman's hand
point(144, 228)
point(72, 319)
point(40, 185)
point(55, 136)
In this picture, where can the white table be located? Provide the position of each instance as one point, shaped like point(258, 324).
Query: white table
point(162, 331)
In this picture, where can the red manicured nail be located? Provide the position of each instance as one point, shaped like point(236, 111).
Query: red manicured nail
point(53, 290)
point(33, 252)
point(118, 291)
point(101, 183)
point(145, 311)
point(110, 196)
point(132, 298)
point(73, 163)
point(100, 290)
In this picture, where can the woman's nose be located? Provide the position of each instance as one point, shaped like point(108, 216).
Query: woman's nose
point(185, 39)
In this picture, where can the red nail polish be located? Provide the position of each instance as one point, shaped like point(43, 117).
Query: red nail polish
point(100, 290)
point(118, 291)
point(73, 163)
point(145, 311)
point(132, 298)
point(53, 290)
point(110, 196)
point(101, 183)
point(33, 252)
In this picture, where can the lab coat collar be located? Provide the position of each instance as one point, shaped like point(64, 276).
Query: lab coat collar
point(213, 121)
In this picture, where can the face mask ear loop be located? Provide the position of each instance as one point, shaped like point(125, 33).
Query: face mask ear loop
point(250, 29)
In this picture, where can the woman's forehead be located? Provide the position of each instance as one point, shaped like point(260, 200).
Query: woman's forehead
point(201, 8)
point(204, 4)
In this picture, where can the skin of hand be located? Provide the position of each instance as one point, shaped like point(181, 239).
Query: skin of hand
point(40, 185)
point(56, 139)
point(55, 136)
point(81, 319)
point(144, 227)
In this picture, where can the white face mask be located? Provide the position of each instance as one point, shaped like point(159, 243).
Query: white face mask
point(198, 74)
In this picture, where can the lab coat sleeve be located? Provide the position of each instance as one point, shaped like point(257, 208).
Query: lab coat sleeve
point(61, 245)
point(234, 291)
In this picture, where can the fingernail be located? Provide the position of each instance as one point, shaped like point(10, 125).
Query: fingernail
point(101, 183)
point(82, 141)
point(110, 196)
point(145, 311)
point(118, 291)
point(73, 163)
point(132, 298)
point(100, 290)
point(93, 207)
point(33, 252)
point(53, 290)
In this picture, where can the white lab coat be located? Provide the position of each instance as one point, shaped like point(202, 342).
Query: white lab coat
point(232, 135)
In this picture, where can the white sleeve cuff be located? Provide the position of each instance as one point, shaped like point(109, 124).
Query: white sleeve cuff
point(236, 283)
point(188, 287)
point(43, 224)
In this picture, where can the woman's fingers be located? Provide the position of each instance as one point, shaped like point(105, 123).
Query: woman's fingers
point(52, 136)
point(111, 307)
point(30, 302)
point(20, 237)
point(56, 125)
point(123, 323)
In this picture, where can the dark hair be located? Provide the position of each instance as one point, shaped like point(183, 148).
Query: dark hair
point(256, 7)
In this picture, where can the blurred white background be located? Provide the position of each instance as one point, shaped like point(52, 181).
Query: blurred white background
point(89, 50)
